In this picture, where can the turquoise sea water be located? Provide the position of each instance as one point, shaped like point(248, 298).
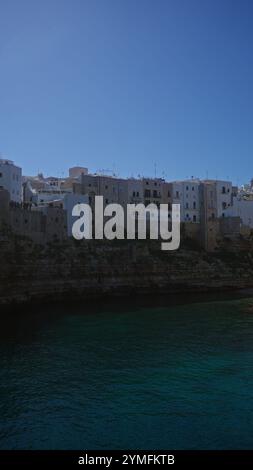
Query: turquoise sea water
point(127, 376)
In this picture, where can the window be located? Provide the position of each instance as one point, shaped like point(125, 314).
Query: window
point(137, 194)
point(1, 174)
point(193, 188)
point(194, 205)
point(177, 194)
point(194, 218)
point(187, 205)
point(223, 190)
point(187, 188)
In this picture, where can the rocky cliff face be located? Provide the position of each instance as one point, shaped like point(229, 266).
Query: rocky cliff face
point(84, 269)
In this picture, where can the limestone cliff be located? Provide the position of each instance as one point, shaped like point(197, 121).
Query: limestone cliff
point(32, 272)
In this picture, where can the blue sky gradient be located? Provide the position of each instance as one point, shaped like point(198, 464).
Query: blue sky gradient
point(128, 86)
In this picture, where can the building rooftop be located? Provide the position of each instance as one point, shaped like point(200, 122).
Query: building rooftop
point(5, 161)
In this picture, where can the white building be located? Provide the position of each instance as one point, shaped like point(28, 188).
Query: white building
point(152, 190)
point(64, 202)
point(242, 208)
point(45, 197)
point(186, 193)
point(11, 179)
point(223, 197)
point(69, 201)
point(135, 191)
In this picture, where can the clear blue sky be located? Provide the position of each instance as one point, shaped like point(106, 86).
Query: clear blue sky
point(127, 84)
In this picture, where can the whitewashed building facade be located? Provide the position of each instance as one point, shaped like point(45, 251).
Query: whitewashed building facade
point(11, 179)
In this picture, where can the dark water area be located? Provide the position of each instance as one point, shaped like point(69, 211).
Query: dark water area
point(165, 374)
